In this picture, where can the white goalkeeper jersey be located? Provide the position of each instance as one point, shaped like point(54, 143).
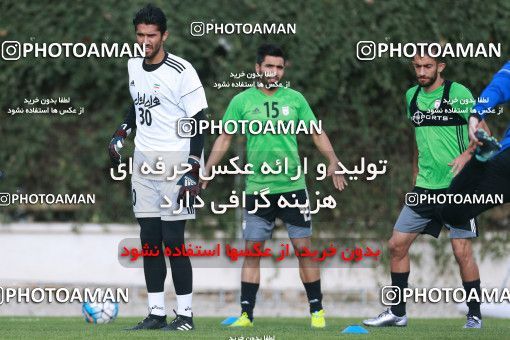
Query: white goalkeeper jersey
point(162, 94)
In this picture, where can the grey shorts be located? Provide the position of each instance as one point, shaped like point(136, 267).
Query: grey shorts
point(256, 228)
point(148, 196)
point(409, 221)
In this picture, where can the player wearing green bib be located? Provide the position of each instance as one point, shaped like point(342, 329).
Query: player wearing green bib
point(439, 110)
point(440, 137)
point(266, 109)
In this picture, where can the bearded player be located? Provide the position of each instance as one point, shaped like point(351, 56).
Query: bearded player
point(439, 110)
point(164, 88)
point(273, 103)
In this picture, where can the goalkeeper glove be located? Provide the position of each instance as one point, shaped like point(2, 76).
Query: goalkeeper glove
point(189, 182)
point(489, 147)
point(116, 144)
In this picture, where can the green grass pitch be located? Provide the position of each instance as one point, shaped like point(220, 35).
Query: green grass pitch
point(277, 327)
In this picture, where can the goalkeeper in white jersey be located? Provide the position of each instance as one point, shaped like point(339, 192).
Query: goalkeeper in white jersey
point(164, 89)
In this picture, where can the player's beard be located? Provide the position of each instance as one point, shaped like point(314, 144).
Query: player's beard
point(430, 81)
point(155, 51)
point(266, 82)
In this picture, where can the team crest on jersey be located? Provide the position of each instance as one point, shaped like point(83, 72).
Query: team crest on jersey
point(437, 103)
point(132, 83)
point(285, 110)
point(256, 111)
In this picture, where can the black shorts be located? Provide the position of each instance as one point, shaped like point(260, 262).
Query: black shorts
point(481, 178)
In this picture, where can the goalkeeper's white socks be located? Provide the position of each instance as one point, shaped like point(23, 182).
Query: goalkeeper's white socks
point(184, 304)
point(157, 303)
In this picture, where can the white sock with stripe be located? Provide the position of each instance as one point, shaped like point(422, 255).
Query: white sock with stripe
point(184, 304)
point(157, 303)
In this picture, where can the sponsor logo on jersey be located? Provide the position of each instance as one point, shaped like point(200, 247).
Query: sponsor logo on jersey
point(147, 101)
point(420, 117)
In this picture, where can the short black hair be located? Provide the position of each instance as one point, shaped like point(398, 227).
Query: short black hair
point(151, 15)
point(433, 48)
point(269, 49)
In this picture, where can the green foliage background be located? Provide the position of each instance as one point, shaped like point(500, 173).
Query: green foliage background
point(360, 103)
